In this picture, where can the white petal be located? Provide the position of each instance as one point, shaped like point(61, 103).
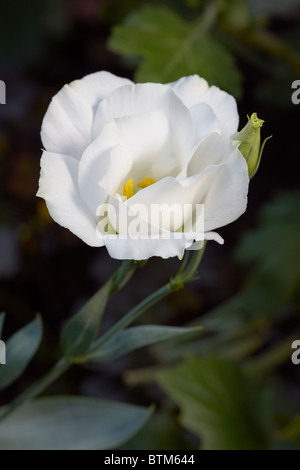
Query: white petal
point(146, 135)
point(222, 188)
point(146, 241)
point(214, 236)
point(171, 202)
point(128, 101)
point(193, 90)
point(209, 152)
point(101, 170)
point(197, 245)
point(208, 141)
point(143, 248)
point(165, 195)
point(205, 122)
point(225, 108)
point(141, 98)
point(226, 199)
point(190, 89)
point(124, 220)
point(96, 86)
point(58, 186)
point(68, 121)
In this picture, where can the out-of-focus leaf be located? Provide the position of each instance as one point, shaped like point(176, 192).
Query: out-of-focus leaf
point(170, 47)
point(20, 349)
point(237, 12)
point(275, 250)
point(269, 358)
point(238, 345)
point(82, 328)
point(138, 337)
point(162, 432)
point(291, 431)
point(69, 423)
point(222, 406)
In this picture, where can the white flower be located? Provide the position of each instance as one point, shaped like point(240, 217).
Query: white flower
point(112, 143)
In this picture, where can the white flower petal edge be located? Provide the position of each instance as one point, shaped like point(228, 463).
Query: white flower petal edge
point(142, 248)
point(67, 125)
point(193, 90)
point(142, 98)
point(58, 186)
point(226, 199)
point(108, 140)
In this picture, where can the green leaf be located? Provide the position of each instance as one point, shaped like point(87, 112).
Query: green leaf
point(135, 338)
point(273, 247)
point(170, 47)
point(69, 423)
point(292, 430)
point(161, 432)
point(222, 406)
point(20, 349)
point(2, 317)
point(237, 13)
point(80, 331)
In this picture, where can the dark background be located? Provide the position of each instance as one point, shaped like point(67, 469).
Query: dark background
point(45, 268)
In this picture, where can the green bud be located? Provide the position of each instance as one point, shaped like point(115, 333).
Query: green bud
point(250, 148)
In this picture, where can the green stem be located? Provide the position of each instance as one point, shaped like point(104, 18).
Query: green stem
point(190, 272)
point(38, 387)
point(63, 365)
point(120, 277)
point(81, 330)
point(173, 285)
point(132, 315)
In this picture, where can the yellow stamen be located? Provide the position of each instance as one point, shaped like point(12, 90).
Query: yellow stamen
point(146, 182)
point(128, 188)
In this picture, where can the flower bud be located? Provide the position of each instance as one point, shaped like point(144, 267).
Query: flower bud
point(249, 138)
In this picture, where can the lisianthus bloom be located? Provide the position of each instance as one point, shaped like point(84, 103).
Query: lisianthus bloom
point(116, 151)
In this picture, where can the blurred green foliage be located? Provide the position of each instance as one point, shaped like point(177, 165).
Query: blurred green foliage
point(172, 47)
point(71, 423)
point(233, 400)
point(20, 349)
point(236, 387)
point(274, 250)
point(167, 43)
point(219, 403)
point(161, 432)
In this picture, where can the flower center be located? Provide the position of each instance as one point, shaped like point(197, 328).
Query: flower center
point(128, 190)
